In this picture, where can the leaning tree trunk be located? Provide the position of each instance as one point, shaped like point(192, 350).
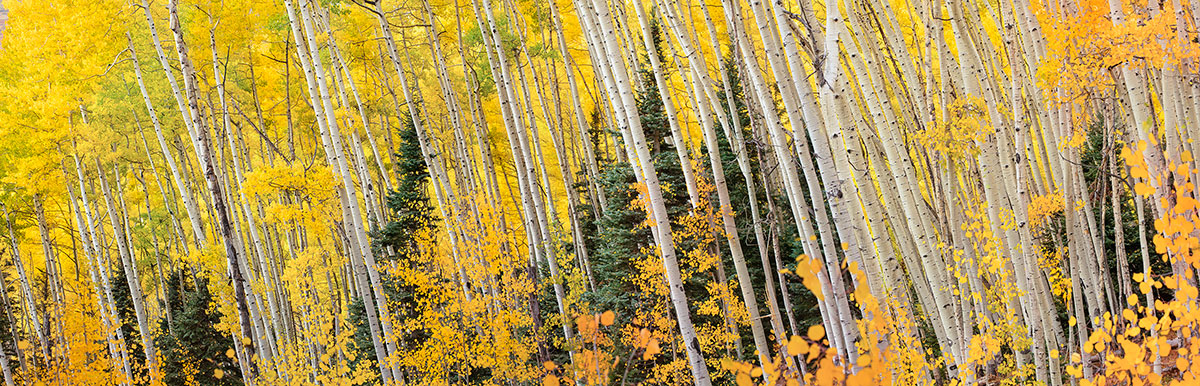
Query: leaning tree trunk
point(632, 123)
point(185, 194)
point(224, 222)
point(26, 289)
point(131, 276)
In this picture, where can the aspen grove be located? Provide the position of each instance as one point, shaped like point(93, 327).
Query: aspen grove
point(600, 192)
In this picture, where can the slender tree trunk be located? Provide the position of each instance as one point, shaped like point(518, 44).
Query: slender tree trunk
point(632, 123)
point(131, 275)
point(224, 222)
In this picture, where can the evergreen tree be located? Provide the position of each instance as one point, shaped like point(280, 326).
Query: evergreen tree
point(192, 347)
point(412, 212)
point(364, 348)
point(400, 240)
point(7, 341)
point(617, 237)
point(1096, 173)
point(133, 340)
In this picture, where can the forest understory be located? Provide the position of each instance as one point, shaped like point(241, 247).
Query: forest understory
point(599, 192)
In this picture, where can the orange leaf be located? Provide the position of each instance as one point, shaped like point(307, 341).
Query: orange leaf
point(652, 349)
point(796, 345)
point(643, 338)
point(816, 332)
point(744, 379)
point(607, 318)
point(1143, 190)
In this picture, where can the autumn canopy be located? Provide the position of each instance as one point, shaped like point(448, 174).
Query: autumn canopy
point(599, 192)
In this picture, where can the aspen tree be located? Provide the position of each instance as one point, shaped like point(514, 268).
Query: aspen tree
point(265, 337)
point(204, 154)
point(941, 163)
point(658, 211)
point(6, 367)
point(668, 104)
point(1123, 275)
point(100, 279)
point(556, 135)
point(26, 290)
point(54, 282)
point(718, 173)
point(5, 364)
point(589, 154)
point(732, 128)
point(365, 271)
point(442, 189)
point(537, 225)
point(595, 32)
point(837, 308)
point(543, 208)
point(185, 194)
point(128, 263)
point(356, 158)
point(1140, 113)
point(821, 149)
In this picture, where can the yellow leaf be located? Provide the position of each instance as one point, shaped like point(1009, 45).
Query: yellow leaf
point(1072, 321)
point(218, 374)
point(549, 365)
point(607, 318)
point(796, 345)
point(1137, 172)
point(743, 379)
point(1143, 190)
point(550, 380)
point(230, 353)
point(1054, 354)
point(651, 350)
point(816, 332)
point(1147, 322)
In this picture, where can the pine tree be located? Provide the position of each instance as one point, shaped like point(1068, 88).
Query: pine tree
point(193, 348)
point(412, 212)
point(362, 334)
point(412, 221)
point(133, 339)
point(617, 236)
point(7, 317)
